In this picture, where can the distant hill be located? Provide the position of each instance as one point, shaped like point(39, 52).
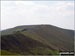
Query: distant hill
point(37, 40)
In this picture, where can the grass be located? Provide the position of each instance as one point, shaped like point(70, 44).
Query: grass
point(4, 52)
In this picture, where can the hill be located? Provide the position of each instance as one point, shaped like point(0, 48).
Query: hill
point(37, 39)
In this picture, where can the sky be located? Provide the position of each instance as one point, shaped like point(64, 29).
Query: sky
point(57, 13)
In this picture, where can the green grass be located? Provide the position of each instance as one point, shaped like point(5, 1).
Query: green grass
point(4, 52)
point(43, 51)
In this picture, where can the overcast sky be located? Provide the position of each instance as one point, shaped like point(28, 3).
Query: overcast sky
point(57, 13)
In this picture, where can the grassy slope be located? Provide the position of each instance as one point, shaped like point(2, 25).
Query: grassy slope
point(55, 37)
point(4, 52)
point(31, 46)
point(39, 37)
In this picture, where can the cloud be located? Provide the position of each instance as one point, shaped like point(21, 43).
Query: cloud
point(59, 13)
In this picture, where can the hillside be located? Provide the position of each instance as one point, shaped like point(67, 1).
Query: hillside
point(37, 39)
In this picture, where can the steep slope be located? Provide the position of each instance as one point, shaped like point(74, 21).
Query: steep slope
point(37, 39)
point(24, 45)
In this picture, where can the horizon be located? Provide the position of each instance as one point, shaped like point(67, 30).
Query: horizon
point(56, 13)
point(36, 25)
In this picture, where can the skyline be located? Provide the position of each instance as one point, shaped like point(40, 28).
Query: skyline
point(57, 13)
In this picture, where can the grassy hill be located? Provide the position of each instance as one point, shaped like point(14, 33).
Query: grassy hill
point(37, 40)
